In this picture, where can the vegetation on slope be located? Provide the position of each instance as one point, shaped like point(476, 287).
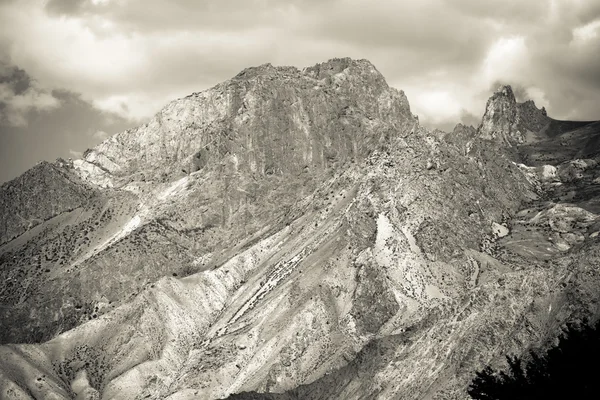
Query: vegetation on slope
point(566, 371)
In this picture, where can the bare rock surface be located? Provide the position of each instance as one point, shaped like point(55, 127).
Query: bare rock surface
point(510, 122)
point(266, 120)
point(41, 193)
point(296, 234)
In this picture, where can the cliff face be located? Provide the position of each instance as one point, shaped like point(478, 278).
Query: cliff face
point(266, 120)
point(507, 121)
point(297, 231)
point(208, 172)
point(39, 194)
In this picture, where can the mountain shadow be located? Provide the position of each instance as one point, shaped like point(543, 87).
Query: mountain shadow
point(568, 370)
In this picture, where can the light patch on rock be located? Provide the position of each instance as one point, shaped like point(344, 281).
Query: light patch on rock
point(133, 188)
point(81, 387)
point(202, 260)
point(530, 174)
point(129, 227)
point(535, 175)
point(548, 173)
point(174, 189)
point(433, 292)
point(412, 242)
point(92, 173)
point(562, 216)
point(500, 230)
point(562, 246)
point(398, 253)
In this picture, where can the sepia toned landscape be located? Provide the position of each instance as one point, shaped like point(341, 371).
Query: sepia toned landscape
point(297, 231)
point(299, 200)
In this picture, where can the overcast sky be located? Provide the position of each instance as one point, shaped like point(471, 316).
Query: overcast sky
point(74, 71)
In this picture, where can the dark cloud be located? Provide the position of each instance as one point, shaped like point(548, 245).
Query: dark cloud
point(16, 78)
point(71, 127)
point(20, 96)
point(580, 12)
point(578, 66)
point(65, 7)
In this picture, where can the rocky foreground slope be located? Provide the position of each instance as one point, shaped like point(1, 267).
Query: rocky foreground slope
point(295, 234)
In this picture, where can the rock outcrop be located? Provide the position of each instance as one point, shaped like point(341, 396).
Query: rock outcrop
point(41, 193)
point(510, 122)
point(265, 121)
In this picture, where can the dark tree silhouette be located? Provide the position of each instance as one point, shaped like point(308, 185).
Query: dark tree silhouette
point(569, 370)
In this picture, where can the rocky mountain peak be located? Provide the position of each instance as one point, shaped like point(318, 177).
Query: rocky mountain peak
point(338, 65)
point(504, 90)
point(508, 121)
point(500, 117)
point(266, 69)
point(532, 118)
point(330, 112)
point(44, 191)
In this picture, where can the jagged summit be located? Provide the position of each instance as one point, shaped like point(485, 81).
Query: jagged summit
point(320, 113)
point(242, 119)
point(504, 90)
point(530, 104)
point(508, 121)
point(337, 65)
point(531, 117)
point(318, 71)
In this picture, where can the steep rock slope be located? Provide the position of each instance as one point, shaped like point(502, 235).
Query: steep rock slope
point(268, 120)
point(41, 295)
point(300, 302)
point(541, 273)
point(39, 194)
point(367, 264)
point(188, 190)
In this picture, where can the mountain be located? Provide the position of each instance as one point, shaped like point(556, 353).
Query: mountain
point(297, 234)
point(43, 192)
point(509, 121)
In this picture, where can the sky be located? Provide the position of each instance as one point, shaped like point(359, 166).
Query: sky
point(73, 72)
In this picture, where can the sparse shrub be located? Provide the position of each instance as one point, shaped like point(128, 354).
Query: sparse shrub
point(568, 370)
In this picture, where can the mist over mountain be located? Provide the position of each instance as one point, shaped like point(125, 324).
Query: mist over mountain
point(298, 234)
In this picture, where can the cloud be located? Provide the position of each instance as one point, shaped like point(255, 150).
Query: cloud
point(62, 7)
point(440, 105)
point(53, 133)
point(583, 34)
point(130, 57)
point(101, 135)
point(505, 58)
point(128, 66)
point(19, 96)
point(75, 153)
point(537, 95)
point(467, 118)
